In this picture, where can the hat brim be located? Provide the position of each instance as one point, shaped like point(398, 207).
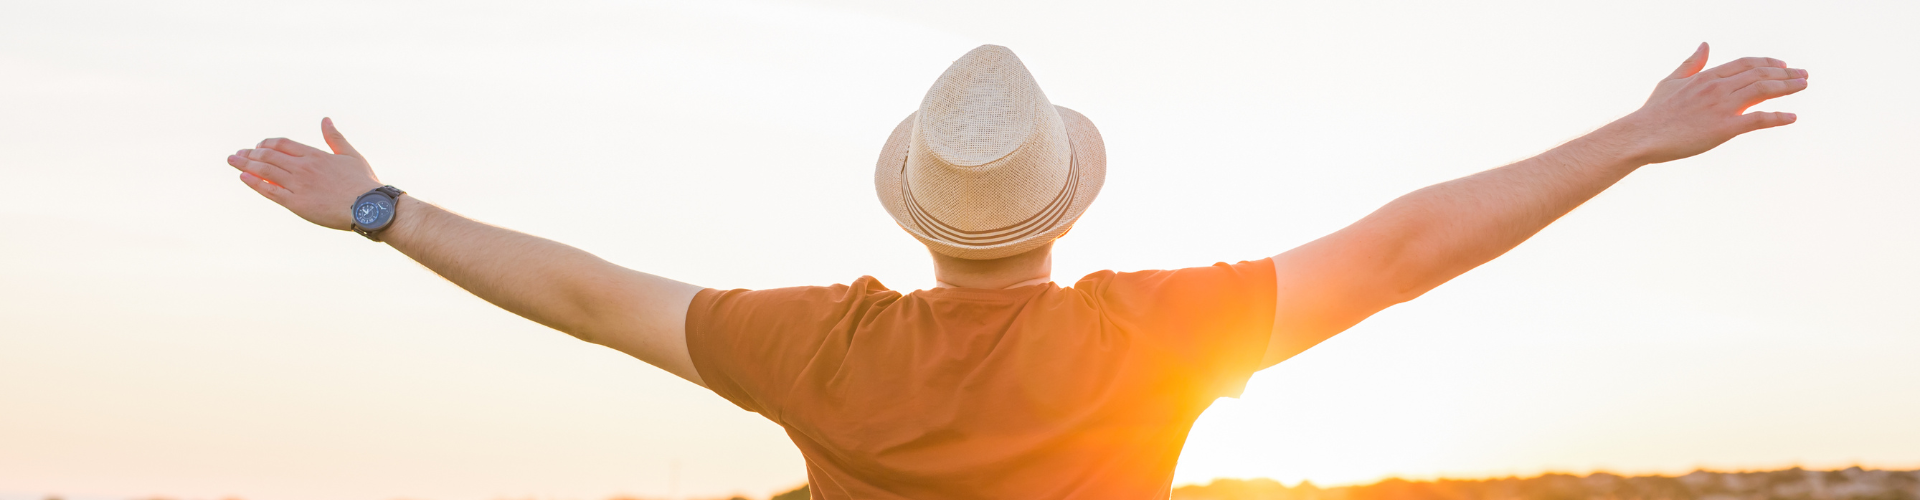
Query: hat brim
point(1089, 153)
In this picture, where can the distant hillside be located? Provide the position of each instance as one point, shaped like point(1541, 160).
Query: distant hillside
point(1852, 483)
point(1791, 484)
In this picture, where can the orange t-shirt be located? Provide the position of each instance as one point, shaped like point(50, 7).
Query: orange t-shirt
point(1032, 392)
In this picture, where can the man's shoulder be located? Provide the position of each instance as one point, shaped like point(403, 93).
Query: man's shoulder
point(1216, 273)
point(864, 289)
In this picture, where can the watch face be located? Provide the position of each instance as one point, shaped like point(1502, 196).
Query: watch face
point(372, 212)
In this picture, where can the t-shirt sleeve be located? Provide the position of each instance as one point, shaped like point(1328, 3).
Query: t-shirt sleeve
point(749, 346)
point(1207, 326)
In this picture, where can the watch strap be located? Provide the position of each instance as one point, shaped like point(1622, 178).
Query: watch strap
point(391, 192)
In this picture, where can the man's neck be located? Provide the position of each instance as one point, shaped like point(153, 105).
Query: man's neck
point(1031, 282)
point(1033, 267)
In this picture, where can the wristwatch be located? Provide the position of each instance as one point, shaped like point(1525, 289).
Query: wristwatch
point(374, 211)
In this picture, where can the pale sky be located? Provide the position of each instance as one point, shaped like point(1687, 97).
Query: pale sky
point(165, 331)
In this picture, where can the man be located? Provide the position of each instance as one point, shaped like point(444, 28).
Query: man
point(999, 383)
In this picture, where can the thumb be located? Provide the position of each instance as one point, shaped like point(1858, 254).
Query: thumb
point(1693, 64)
point(337, 141)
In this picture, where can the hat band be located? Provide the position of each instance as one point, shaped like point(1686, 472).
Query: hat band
point(1045, 219)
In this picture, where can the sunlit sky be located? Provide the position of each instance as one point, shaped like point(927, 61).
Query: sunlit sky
point(165, 331)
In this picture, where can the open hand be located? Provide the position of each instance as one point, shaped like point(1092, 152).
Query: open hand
point(1691, 111)
point(316, 185)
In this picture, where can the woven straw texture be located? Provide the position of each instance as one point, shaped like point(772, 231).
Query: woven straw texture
point(988, 167)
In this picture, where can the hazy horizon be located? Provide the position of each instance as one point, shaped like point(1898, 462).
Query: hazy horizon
point(1852, 482)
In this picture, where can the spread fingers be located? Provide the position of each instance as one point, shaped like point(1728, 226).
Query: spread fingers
point(289, 147)
point(256, 168)
point(1736, 82)
point(273, 157)
point(1737, 66)
point(1767, 89)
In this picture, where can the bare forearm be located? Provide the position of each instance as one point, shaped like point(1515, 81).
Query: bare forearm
point(1425, 238)
point(551, 283)
point(1447, 229)
point(527, 275)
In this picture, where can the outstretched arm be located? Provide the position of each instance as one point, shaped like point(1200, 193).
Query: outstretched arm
point(550, 283)
point(1429, 236)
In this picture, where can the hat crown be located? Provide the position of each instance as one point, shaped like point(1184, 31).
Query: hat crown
point(988, 167)
point(989, 151)
point(984, 107)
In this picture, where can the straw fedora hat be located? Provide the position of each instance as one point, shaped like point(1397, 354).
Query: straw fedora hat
point(988, 167)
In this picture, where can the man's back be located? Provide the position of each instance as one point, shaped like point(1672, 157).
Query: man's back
point(1031, 392)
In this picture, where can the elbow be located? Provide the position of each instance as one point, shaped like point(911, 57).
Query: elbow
point(1407, 291)
point(1412, 270)
point(574, 318)
point(584, 323)
point(1421, 273)
point(584, 334)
